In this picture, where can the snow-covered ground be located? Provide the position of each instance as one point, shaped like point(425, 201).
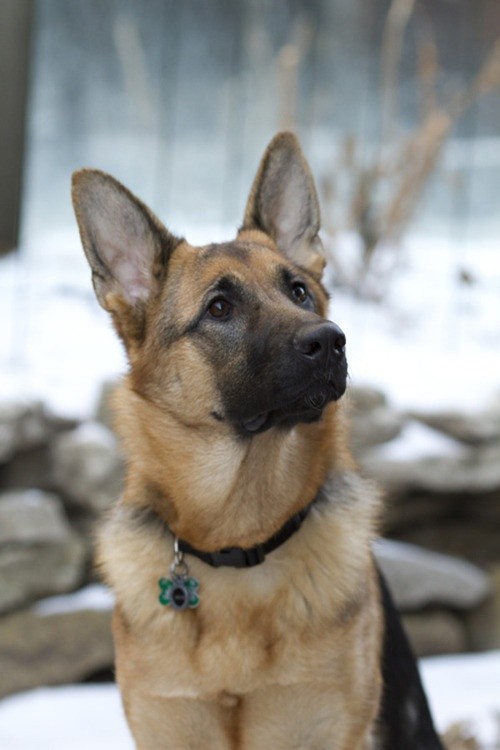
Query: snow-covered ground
point(433, 343)
point(466, 689)
point(83, 717)
point(460, 688)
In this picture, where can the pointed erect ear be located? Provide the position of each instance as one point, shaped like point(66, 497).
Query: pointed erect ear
point(126, 246)
point(284, 204)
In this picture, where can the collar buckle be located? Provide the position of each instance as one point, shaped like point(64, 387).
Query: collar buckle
point(238, 557)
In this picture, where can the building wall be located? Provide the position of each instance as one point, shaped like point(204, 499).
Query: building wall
point(178, 99)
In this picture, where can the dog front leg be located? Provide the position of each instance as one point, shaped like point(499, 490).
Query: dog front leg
point(178, 724)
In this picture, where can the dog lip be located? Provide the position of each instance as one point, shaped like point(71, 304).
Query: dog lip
point(255, 423)
point(315, 396)
point(307, 407)
point(297, 405)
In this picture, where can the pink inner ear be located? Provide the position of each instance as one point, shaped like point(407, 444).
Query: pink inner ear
point(129, 256)
point(295, 212)
point(289, 217)
point(130, 272)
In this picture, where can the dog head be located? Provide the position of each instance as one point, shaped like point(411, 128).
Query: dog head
point(231, 335)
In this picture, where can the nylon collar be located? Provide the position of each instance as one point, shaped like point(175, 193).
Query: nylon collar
point(239, 557)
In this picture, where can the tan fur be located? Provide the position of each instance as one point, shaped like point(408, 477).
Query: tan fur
point(284, 655)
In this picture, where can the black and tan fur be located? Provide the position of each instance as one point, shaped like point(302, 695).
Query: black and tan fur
point(231, 422)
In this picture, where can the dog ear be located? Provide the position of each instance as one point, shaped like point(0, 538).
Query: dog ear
point(126, 246)
point(283, 203)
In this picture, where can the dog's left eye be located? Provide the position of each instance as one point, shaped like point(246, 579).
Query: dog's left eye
point(220, 308)
point(300, 292)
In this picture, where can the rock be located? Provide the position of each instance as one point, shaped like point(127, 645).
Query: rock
point(49, 649)
point(473, 471)
point(474, 429)
point(476, 542)
point(31, 517)
point(376, 426)
point(483, 624)
point(39, 553)
point(419, 578)
point(407, 512)
point(364, 398)
point(88, 468)
point(104, 411)
point(435, 632)
point(418, 509)
point(460, 736)
point(23, 425)
point(28, 468)
point(484, 507)
point(372, 421)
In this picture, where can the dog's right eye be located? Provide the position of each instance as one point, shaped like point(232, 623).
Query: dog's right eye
point(220, 308)
point(300, 292)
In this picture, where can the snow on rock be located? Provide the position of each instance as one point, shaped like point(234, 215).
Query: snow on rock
point(93, 597)
point(419, 578)
point(40, 554)
point(87, 466)
point(419, 441)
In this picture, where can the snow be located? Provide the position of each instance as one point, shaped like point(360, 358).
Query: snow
point(418, 441)
point(55, 342)
point(94, 597)
point(460, 688)
point(465, 689)
point(432, 344)
point(64, 718)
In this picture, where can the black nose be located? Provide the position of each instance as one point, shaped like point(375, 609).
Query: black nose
point(319, 342)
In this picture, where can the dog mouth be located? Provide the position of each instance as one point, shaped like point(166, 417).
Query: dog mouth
point(254, 424)
point(307, 407)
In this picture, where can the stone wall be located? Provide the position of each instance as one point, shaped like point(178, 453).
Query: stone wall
point(441, 477)
point(57, 476)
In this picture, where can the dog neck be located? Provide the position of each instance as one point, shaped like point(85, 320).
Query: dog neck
point(216, 490)
point(239, 557)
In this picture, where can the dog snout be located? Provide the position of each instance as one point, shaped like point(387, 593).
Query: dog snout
point(317, 343)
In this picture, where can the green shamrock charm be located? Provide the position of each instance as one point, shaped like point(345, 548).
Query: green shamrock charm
point(179, 592)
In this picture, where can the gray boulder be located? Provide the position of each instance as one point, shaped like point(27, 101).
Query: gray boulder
point(88, 467)
point(474, 429)
point(44, 648)
point(457, 537)
point(419, 578)
point(484, 623)
point(39, 553)
point(473, 471)
point(416, 510)
point(365, 398)
point(377, 426)
point(371, 420)
point(435, 632)
point(23, 425)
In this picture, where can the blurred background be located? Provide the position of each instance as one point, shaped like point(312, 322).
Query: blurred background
point(397, 106)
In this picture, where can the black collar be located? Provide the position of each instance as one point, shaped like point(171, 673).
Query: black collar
point(237, 557)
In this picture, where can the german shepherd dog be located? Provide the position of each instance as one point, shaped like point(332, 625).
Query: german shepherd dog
point(249, 612)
